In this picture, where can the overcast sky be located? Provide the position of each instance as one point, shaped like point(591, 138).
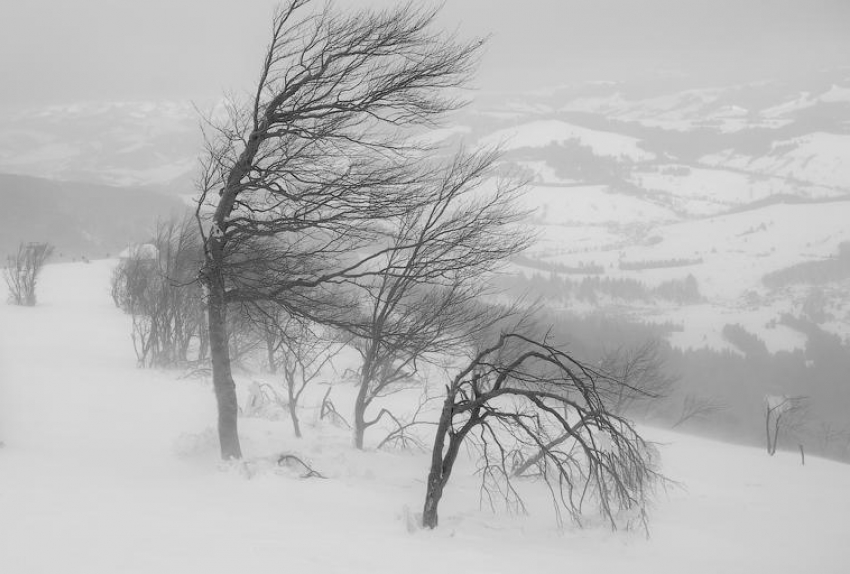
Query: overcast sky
point(54, 51)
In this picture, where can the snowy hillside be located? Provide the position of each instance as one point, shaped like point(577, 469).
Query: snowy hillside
point(108, 468)
point(541, 133)
point(723, 186)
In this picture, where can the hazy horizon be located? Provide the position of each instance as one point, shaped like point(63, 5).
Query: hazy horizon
point(92, 50)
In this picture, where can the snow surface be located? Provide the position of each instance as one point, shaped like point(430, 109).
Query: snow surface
point(589, 205)
point(107, 468)
point(817, 158)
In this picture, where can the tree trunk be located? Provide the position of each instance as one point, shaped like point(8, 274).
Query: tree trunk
point(767, 431)
point(441, 467)
point(360, 404)
point(293, 411)
point(225, 388)
point(359, 429)
point(430, 519)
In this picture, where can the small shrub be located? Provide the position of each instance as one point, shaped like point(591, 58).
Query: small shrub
point(22, 271)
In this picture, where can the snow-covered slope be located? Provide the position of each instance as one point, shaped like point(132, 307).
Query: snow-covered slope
point(817, 158)
point(724, 184)
point(107, 468)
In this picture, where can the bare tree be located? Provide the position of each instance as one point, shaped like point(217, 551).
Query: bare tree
point(427, 301)
point(696, 407)
point(157, 285)
point(300, 351)
point(22, 271)
point(512, 400)
point(297, 180)
point(638, 376)
point(782, 412)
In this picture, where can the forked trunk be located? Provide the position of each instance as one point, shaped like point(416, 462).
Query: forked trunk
point(441, 465)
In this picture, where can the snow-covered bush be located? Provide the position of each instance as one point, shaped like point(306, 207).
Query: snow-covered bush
point(22, 271)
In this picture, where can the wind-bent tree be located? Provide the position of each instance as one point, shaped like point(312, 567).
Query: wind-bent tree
point(427, 302)
point(297, 181)
point(22, 271)
point(511, 401)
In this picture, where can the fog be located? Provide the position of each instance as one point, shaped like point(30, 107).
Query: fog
point(609, 294)
point(62, 51)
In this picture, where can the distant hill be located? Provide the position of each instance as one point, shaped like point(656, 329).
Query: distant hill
point(80, 219)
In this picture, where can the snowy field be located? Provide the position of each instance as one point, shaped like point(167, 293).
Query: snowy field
point(111, 469)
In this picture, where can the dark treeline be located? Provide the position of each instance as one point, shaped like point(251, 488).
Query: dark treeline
point(658, 264)
point(590, 289)
point(591, 268)
point(813, 272)
point(573, 160)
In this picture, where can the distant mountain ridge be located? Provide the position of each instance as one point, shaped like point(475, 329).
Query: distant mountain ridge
point(79, 219)
point(742, 181)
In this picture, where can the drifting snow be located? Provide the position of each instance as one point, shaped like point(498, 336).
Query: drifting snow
point(107, 468)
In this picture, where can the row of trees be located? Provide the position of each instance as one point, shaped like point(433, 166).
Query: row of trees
point(156, 284)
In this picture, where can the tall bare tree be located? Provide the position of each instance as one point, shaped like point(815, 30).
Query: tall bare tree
point(510, 401)
point(428, 300)
point(296, 180)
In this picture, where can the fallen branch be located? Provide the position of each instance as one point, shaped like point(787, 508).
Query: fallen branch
point(287, 459)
